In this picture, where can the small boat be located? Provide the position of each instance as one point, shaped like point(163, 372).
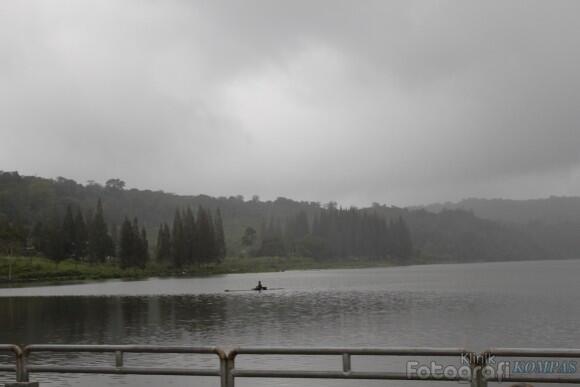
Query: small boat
point(256, 289)
point(260, 288)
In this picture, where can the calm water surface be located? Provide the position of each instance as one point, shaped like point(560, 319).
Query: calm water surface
point(519, 304)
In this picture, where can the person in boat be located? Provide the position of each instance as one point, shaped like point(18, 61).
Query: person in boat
point(260, 287)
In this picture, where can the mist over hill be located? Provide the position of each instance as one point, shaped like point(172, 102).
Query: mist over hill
point(553, 223)
point(470, 231)
point(552, 210)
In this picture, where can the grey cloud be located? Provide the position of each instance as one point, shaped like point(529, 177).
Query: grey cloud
point(398, 102)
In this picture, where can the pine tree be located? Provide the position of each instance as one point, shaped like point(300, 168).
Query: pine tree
point(144, 248)
point(403, 246)
point(163, 253)
point(137, 248)
point(220, 240)
point(206, 236)
point(133, 245)
point(177, 241)
point(80, 235)
point(68, 234)
point(100, 243)
point(211, 240)
point(297, 228)
point(53, 239)
point(126, 244)
point(189, 237)
point(159, 248)
point(114, 233)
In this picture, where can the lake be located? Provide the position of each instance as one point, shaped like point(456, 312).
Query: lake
point(476, 306)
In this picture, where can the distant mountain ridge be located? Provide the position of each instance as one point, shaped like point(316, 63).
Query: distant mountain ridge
point(552, 210)
point(469, 231)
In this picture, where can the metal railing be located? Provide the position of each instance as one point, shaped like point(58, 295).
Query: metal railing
point(19, 366)
point(119, 368)
point(346, 354)
point(228, 372)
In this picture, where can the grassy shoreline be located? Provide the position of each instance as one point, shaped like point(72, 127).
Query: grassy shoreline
point(38, 269)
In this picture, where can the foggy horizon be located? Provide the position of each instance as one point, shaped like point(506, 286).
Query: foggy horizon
point(322, 202)
point(401, 103)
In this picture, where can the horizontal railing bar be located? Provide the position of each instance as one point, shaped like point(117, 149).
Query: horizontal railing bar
point(339, 375)
point(123, 370)
point(352, 351)
point(534, 352)
point(22, 369)
point(122, 348)
point(10, 348)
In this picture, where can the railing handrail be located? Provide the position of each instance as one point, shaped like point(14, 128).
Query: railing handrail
point(16, 349)
point(355, 351)
point(228, 372)
point(23, 353)
point(123, 348)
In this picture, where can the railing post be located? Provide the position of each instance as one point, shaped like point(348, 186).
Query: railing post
point(346, 363)
point(227, 364)
point(223, 371)
point(21, 371)
point(118, 359)
point(230, 366)
point(478, 363)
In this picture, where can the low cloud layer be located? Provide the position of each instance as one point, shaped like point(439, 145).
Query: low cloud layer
point(395, 102)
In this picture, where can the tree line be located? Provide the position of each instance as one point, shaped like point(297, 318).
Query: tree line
point(437, 236)
point(133, 245)
point(73, 237)
point(332, 233)
point(192, 239)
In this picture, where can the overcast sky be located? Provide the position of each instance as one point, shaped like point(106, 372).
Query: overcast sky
point(401, 103)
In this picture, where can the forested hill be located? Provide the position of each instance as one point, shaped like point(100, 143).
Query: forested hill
point(550, 210)
point(552, 223)
point(25, 200)
point(253, 226)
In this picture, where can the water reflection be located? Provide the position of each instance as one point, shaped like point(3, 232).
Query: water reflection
point(424, 306)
